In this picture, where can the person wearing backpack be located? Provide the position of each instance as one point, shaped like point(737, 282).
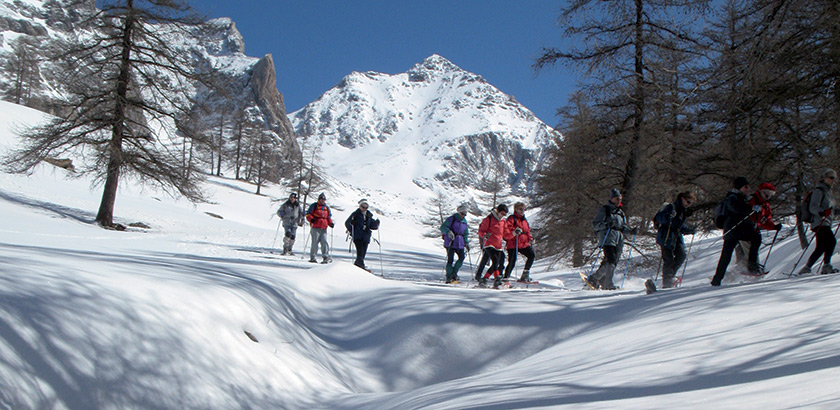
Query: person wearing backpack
point(763, 218)
point(455, 231)
point(820, 207)
point(737, 226)
point(319, 217)
point(518, 238)
point(359, 225)
point(291, 214)
point(492, 231)
point(671, 227)
point(610, 225)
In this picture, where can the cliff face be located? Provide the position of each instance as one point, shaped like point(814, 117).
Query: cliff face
point(263, 85)
point(248, 84)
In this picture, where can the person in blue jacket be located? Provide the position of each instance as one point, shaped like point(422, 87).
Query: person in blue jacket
point(671, 227)
point(455, 231)
point(359, 225)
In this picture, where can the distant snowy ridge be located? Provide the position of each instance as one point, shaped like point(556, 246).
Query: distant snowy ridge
point(453, 124)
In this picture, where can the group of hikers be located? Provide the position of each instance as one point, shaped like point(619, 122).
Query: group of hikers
point(742, 215)
point(359, 224)
point(495, 234)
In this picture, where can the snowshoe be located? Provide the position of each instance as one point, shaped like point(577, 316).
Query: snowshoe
point(755, 270)
point(650, 287)
point(312, 260)
point(828, 269)
point(804, 271)
point(326, 260)
point(591, 283)
point(482, 282)
point(608, 287)
point(497, 282)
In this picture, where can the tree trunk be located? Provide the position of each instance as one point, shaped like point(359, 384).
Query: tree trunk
point(632, 167)
point(105, 216)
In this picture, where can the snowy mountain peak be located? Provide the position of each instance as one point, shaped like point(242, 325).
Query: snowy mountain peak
point(445, 127)
point(434, 66)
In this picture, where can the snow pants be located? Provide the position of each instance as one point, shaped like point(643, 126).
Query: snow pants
point(529, 254)
point(729, 244)
point(319, 236)
point(289, 237)
point(826, 242)
point(672, 259)
point(452, 270)
point(604, 275)
point(361, 252)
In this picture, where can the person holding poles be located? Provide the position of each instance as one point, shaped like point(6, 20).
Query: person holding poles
point(492, 230)
point(292, 216)
point(455, 231)
point(821, 206)
point(738, 226)
point(319, 217)
point(518, 238)
point(610, 224)
point(359, 225)
point(670, 221)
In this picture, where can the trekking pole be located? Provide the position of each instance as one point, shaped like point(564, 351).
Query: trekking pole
point(679, 282)
point(627, 266)
point(800, 256)
point(351, 236)
point(601, 246)
point(767, 258)
point(659, 269)
point(379, 242)
point(276, 233)
point(469, 256)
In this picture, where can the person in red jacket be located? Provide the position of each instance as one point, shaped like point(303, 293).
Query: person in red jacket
point(319, 218)
point(492, 231)
point(762, 216)
point(519, 239)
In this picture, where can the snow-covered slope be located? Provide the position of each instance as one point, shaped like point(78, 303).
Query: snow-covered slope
point(435, 126)
point(195, 312)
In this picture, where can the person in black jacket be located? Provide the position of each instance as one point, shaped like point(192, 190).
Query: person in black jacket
point(738, 227)
point(359, 226)
point(671, 228)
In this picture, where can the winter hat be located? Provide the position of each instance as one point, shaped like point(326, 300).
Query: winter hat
point(614, 193)
point(293, 195)
point(502, 207)
point(363, 201)
point(462, 208)
point(322, 196)
point(766, 185)
point(829, 173)
point(740, 182)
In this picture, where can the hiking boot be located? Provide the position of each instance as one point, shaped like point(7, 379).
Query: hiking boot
point(805, 270)
point(326, 260)
point(827, 269)
point(497, 282)
point(312, 260)
point(525, 277)
point(482, 282)
point(592, 283)
point(608, 287)
point(756, 269)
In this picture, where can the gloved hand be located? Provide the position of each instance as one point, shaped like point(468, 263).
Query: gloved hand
point(634, 230)
point(300, 223)
point(756, 208)
point(517, 231)
point(332, 225)
point(778, 227)
point(827, 212)
point(451, 235)
point(673, 214)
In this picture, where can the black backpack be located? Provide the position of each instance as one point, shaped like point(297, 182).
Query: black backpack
point(720, 214)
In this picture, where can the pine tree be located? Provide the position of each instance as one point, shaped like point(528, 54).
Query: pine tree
point(126, 90)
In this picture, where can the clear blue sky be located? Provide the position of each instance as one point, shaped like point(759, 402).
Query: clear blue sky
point(315, 43)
